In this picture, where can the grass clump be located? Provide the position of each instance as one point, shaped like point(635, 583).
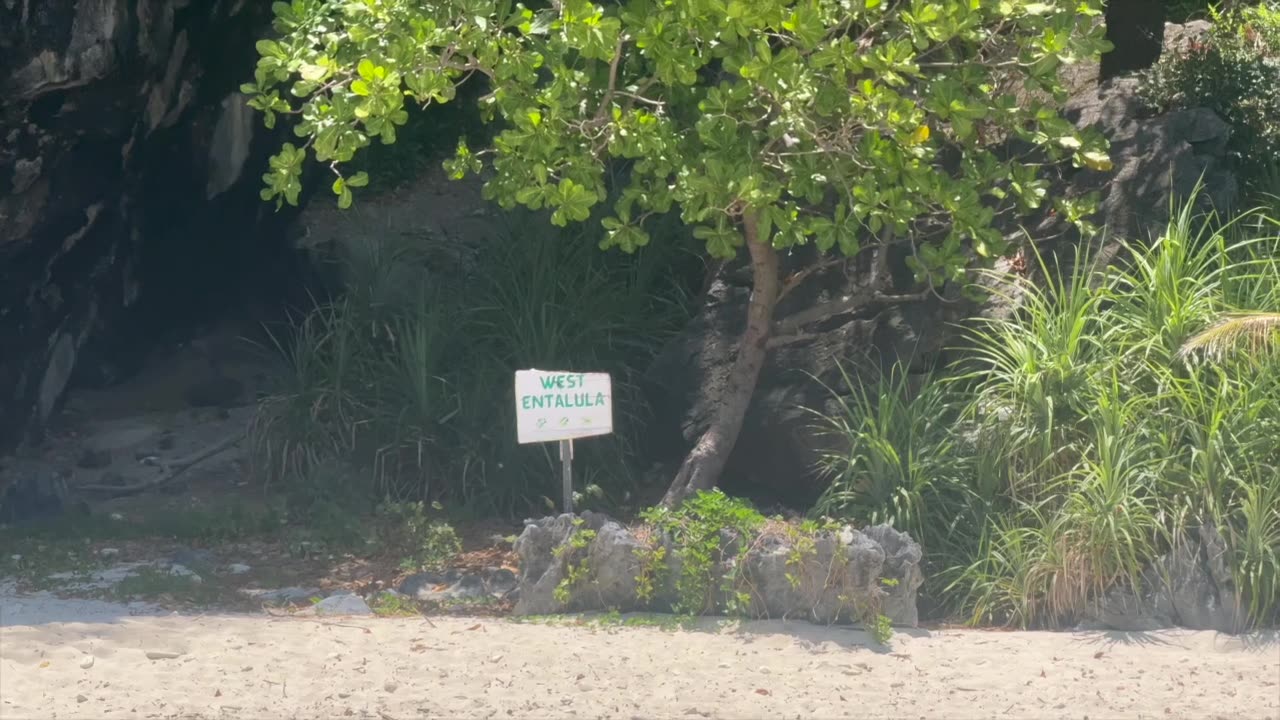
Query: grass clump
point(1084, 436)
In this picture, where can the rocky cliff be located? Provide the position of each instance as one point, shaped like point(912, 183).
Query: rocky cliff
point(124, 181)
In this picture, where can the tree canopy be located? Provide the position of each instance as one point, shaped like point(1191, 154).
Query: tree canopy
point(829, 120)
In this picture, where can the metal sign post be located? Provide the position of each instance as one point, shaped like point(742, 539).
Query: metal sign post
point(562, 407)
point(566, 464)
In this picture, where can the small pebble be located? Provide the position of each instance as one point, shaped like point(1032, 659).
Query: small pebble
point(390, 686)
point(109, 552)
point(81, 698)
point(238, 568)
point(86, 662)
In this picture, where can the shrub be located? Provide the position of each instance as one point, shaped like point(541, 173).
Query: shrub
point(406, 530)
point(1235, 71)
point(1081, 441)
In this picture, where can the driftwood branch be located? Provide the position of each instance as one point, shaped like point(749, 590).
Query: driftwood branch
point(177, 469)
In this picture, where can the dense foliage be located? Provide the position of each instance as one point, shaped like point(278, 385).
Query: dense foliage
point(766, 124)
point(1235, 71)
point(1086, 440)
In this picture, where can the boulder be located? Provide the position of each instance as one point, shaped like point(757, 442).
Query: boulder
point(902, 557)
point(833, 576)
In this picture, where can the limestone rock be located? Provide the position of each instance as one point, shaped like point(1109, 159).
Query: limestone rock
point(342, 604)
point(839, 578)
point(1189, 587)
point(902, 557)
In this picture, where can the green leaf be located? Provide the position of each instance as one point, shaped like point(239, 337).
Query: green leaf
point(360, 87)
point(271, 49)
point(313, 72)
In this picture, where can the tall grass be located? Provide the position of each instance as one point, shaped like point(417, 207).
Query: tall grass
point(1085, 436)
point(408, 373)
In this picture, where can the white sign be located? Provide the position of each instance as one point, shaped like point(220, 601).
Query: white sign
point(554, 406)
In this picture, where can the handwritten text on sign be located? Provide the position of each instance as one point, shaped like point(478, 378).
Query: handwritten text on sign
point(554, 406)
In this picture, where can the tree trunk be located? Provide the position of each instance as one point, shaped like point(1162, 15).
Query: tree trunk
point(702, 467)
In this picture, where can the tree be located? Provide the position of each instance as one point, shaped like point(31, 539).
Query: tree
point(767, 124)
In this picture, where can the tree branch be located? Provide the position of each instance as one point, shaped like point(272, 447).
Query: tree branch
point(793, 281)
point(845, 305)
point(602, 112)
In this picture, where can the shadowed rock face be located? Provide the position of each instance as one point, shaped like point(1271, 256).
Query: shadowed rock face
point(126, 181)
point(1136, 30)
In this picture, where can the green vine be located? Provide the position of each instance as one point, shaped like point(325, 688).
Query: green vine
point(653, 570)
point(707, 529)
point(803, 546)
point(576, 573)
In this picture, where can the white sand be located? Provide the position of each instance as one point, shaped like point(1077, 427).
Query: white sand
point(265, 667)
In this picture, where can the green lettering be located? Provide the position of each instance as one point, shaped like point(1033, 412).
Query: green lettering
point(599, 398)
point(524, 402)
point(548, 381)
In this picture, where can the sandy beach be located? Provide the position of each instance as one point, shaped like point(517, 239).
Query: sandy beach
point(109, 663)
